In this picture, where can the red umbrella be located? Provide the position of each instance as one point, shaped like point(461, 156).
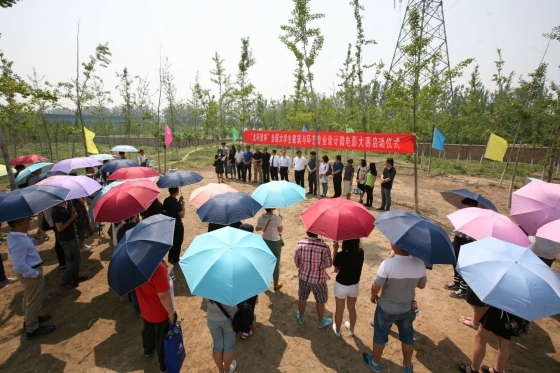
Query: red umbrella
point(338, 219)
point(26, 159)
point(125, 200)
point(132, 173)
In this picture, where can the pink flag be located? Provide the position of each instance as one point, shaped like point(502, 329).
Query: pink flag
point(168, 136)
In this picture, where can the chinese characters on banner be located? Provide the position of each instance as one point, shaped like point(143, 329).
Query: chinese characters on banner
point(369, 142)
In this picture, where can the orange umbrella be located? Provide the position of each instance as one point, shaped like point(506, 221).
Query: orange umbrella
point(201, 195)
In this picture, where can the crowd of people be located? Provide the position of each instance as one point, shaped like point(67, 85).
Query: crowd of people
point(262, 167)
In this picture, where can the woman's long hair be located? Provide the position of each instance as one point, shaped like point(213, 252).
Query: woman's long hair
point(372, 168)
point(352, 247)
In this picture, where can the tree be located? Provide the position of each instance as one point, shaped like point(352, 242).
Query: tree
point(99, 108)
point(42, 101)
point(243, 91)
point(305, 43)
point(129, 99)
point(170, 91)
point(8, 3)
point(224, 90)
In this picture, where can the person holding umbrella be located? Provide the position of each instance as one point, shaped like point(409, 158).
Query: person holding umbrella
point(175, 208)
point(397, 279)
point(271, 226)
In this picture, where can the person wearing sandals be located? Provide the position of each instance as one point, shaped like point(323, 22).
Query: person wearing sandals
point(271, 226)
point(348, 267)
point(397, 279)
point(493, 324)
point(223, 336)
point(312, 258)
point(479, 309)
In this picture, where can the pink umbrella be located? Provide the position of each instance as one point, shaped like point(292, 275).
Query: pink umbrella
point(133, 173)
point(536, 204)
point(547, 240)
point(550, 231)
point(482, 223)
point(79, 186)
point(201, 195)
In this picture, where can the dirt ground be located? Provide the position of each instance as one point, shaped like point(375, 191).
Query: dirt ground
point(98, 332)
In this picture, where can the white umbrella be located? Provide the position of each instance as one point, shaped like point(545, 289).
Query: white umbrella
point(102, 157)
point(125, 148)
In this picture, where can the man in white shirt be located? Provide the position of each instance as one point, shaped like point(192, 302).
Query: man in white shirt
point(29, 271)
point(300, 163)
point(239, 162)
point(274, 164)
point(285, 163)
point(142, 159)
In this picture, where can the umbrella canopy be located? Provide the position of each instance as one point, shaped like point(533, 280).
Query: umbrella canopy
point(139, 253)
point(125, 200)
point(125, 148)
point(26, 159)
point(201, 195)
point(418, 235)
point(117, 164)
point(536, 204)
point(4, 170)
point(338, 219)
point(179, 179)
point(100, 194)
point(79, 186)
point(278, 194)
point(455, 196)
point(478, 224)
point(102, 157)
point(228, 208)
point(510, 277)
point(49, 174)
point(531, 179)
point(24, 174)
point(547, 240)
point(133, 173)
point(70, 164)
point(228, 265)
point(21, 203)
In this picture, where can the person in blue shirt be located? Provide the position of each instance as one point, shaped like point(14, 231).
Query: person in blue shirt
point(337, 176)
point(29, 271)
point(247, 159)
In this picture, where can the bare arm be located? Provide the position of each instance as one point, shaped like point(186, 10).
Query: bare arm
point(375, 289)
point(422, 286)
point(167, 303)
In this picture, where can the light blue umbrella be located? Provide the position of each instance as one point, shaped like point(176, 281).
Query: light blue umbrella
point(125, 148)
point(24, 174)
point(511, 278)
point(102, 157)
point(228, 265)
point(100, 194)
point(278, 194)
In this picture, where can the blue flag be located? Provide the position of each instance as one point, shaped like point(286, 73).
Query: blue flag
point(438, 141)
point(304, 129)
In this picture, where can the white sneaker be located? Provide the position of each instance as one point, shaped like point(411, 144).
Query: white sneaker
point(88, 246)
point(350, 332)
point(336, 334)
point(85, 249)
point(232, 366)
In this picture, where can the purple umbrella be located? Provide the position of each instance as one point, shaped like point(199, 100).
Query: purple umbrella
point(79, 186)
point(70, 164)
point(536, 204)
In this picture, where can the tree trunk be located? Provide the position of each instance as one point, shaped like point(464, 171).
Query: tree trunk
point(430, 161)
point(514, 171)
point(6, 157)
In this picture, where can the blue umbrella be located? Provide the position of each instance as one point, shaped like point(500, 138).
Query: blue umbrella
point(101, 193)
point(139, 253)
point(22, 203)
point(455, 196)
point(179, 179)
point(112, 166)
point(228, 208)
point(278, 194)
point(418, 235)
point(25, 173)
point(228, 265)
point(511, 278)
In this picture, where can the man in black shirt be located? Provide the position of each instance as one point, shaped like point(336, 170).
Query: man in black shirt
point(174, 208)
point(63, 219)
point(257, 166)
point(312, 173)
point(265, 165)
point(387, 178)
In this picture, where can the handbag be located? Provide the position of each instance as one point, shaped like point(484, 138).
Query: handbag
point(517, 326)
point(174, 348)
point(243, 318)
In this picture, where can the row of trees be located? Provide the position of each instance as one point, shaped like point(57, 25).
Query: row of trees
point(524, 110)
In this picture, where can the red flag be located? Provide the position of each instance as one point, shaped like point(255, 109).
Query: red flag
point(168, 136)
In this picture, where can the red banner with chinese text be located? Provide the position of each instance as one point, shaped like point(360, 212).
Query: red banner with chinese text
point(369, 142)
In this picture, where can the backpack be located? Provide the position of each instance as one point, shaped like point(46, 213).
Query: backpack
point(243, 318)
point(329, 171)
point(516, 325)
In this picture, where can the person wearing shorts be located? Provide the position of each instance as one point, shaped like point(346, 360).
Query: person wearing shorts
point(348, 266)
point(348, 177)
point(312, 258)
point(223, 336)
point(397, 279)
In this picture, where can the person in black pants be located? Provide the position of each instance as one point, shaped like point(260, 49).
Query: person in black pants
point(312, 173)
point(387, 178)
point(285, 163)
point(337, 176)
point(274, 164)
point(265, 165)
point(300, 164)
point(174, 208)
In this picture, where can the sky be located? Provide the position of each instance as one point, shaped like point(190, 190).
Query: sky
point(41, 34)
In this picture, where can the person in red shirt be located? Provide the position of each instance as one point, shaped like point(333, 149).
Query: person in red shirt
point(158, 311)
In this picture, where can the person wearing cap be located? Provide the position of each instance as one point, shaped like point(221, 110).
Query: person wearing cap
point(142, 159)
point(28, 266)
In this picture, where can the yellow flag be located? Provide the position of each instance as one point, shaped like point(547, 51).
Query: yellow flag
point(91, 148)
point(496, 148)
